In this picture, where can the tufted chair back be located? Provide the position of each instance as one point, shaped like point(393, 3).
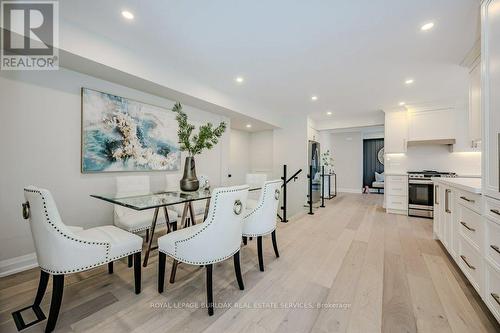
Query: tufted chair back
point(130, 186)
point(255, 179)
point(262, 219)
point(219, 237)
point(58, 249)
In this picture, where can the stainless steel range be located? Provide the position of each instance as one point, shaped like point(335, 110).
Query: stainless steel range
point(421, 192)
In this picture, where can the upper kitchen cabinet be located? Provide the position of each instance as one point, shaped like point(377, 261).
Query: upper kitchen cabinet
point(490, 60)
point(475, 104)
point(396, 132)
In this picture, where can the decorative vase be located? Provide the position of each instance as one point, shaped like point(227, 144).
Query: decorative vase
point(189, 182)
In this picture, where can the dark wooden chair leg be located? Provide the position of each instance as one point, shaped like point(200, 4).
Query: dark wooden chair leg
point(259, 250)
point(55, 303)
point(147, 235)
point(210, 297)
point(42, 287)
point(237, 270)
point(174, 270)
point(251, 238)
point(275, 244)
point(110, 267)
point(245, 241)
point(130, 260)
point(137, 272)
point(162, 258)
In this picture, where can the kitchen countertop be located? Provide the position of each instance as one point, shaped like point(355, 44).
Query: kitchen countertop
point(472, 185)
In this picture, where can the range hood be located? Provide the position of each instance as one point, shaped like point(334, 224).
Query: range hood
point(432, 142)
point(442, 142)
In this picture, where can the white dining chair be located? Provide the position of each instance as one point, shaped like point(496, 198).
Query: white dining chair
point(261, 220)
point(137, 221)
point(254, 180)
point(213, 241)
point(63, 250)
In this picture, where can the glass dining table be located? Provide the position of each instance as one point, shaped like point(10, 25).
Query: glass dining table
point(161, 200)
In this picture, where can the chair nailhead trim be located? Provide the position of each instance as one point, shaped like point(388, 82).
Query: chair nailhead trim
point(108, 245)
point(261, 234)
point(205, 226)
point(200, 262)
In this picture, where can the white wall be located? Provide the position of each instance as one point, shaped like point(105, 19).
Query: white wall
point(290, 148)
point(239, 164)
point(261, 152)
point(347, 152)
point(312, 132)
point(40, 138)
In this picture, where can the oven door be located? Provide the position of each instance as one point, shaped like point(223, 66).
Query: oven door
point(420, 198)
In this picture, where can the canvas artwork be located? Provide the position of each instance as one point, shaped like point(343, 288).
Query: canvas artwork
point(120, 134)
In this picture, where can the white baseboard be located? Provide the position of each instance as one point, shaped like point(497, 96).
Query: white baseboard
point(349, 190)
point(18, 264)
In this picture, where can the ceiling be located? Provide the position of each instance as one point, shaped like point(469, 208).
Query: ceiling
point(353, 55)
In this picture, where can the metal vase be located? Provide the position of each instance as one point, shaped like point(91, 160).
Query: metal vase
point(189, 182)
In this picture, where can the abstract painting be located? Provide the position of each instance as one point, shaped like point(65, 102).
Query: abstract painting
point(120, 134)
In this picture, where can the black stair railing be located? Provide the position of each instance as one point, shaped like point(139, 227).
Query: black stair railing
point(286, 180)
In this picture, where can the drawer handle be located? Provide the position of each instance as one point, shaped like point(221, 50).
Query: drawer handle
point(468, 200)
point(464, 258)
point(496, 298)
point(496, 248)
point(495, 211)
point(467, 227)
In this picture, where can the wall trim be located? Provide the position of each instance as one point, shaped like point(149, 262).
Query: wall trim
point(349, 190)
point(18, 264)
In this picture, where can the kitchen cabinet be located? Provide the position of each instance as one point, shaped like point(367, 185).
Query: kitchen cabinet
point(490, 58)
point(443, 216)
point(475, 105)
point(396, 194)
point(437, 226)
point(396, 132)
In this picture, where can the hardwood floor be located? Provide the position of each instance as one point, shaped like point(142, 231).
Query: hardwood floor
point(348, 268)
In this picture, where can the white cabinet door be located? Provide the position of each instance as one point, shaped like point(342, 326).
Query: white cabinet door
point(490, 54)
point(396, 132)
point(475, 104)
point(431, 125)
point(436, 225)
point(448, 239)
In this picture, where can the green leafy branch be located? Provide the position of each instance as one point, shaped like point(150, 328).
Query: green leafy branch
point(206, 138)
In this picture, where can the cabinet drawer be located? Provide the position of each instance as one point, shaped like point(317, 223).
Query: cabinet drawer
point(492, 209)
point(397, 180)
point(397, 202)
point(470, 200)
point(492, 242)
point(492, 290)
point(470, 226)
point(396, 189)
point(470, 262)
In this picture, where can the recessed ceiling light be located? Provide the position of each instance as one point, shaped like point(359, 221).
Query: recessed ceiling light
point(409, 81)
point(128, 15)
point(249, 126)
point(239, 79)
point(329, 113)
point(314, 98)
point(427, 26)
point(402, 103)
